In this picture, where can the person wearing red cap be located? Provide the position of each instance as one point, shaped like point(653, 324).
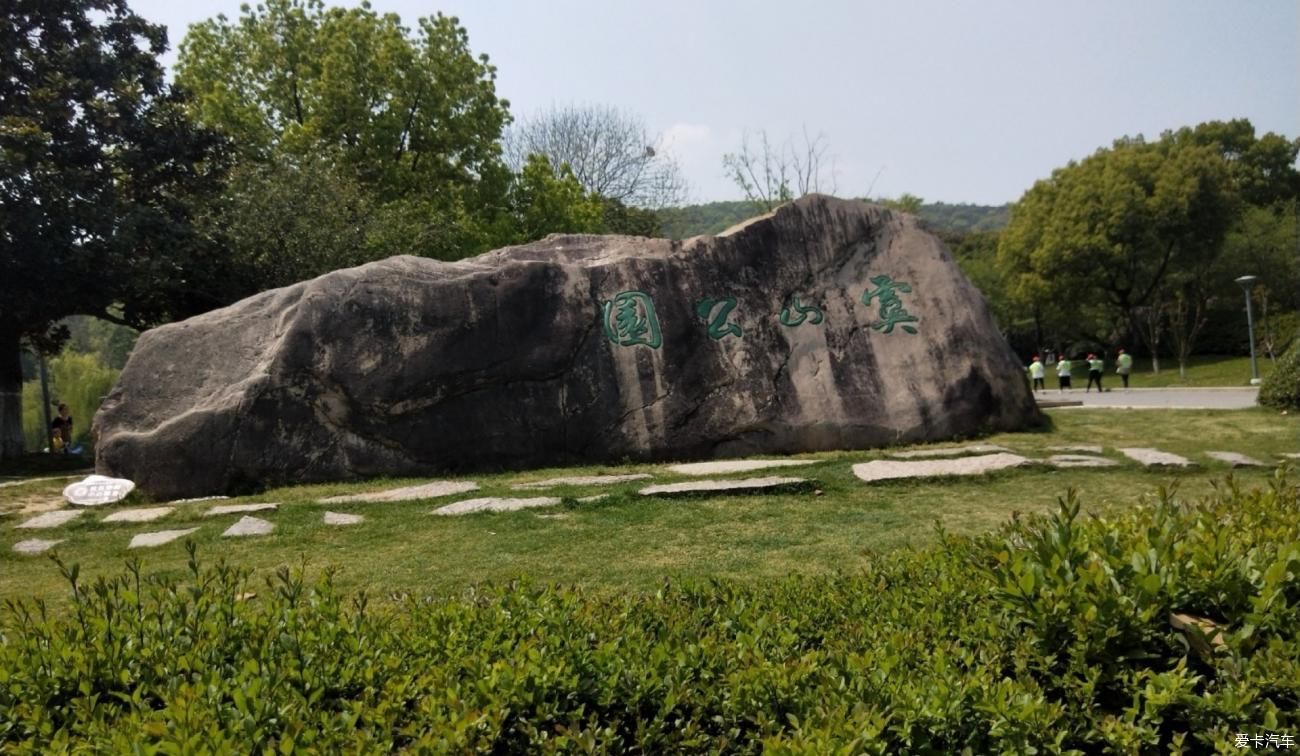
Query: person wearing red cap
point(1036, 372)
point(1124, 365)
point(1095, 367)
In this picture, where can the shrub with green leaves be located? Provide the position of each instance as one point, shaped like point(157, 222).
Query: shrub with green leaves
point(1052, 634)
point(1281, 390)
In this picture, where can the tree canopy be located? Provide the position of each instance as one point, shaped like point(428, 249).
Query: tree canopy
point(98, 163)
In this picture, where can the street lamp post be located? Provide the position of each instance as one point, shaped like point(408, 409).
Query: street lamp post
point(1245, 283)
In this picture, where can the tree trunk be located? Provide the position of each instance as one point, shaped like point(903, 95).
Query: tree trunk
point(1155, 362)
point(1182, 369)
point(11, 396)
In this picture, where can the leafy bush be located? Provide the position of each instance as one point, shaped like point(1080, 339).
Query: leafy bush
point(1052, 634)
point(1281, 389)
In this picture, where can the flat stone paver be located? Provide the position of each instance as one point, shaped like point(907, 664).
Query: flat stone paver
point(495, 504)
point(949, 451)
point(225, 509)
point(423, 491)
point(197, 500)
point(35, 546)
point(1155, 457)
point(157, 538)
point(1235, 459)
point(340, 518)
point(730, 486)
point(730, 466)
point(97, 490)
point(590, 499)
point(885, 469)
point(1081, 448)
point(248, 526)
point(1290, 455)
point(1079, 460)
point(51, 519)
point(584, 480)
point(144, 514)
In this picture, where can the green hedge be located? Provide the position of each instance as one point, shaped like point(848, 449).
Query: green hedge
point(1052, 634)
point(1281, 389)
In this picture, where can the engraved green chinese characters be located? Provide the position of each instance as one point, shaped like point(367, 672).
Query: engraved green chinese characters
point(892, 312)
point(795, 314)
point(629, 319)
point(719, 328)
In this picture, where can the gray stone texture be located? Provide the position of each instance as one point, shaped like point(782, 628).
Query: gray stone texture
point(408, 493)
point(225, 509)
point(144, 514)
point(1235, 459)
point(525, 357)
point(1082, 448)
point(729, 487)
point(733, 466)
point(494, 504)
point(1079, 460)
point(950, 451)
point(248, 526)
point(158, 538)
point(1155, 457)
point(340, 518)
point(35, 546)
point(584, 480)
point(887, 469)
point(51, 519)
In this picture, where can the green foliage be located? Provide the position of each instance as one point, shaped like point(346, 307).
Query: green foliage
point(543, 201)
point(81, 381)
point(716, 217)
point(965, 217)
point(375, 112)
point(1281, 388)
point(1052, 635)
point(100, 166)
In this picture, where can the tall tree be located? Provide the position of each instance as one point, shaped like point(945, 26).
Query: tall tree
point(1109, 230)
point(412, 115)
point(609, 151)
point(98, 163)
point(772, 174)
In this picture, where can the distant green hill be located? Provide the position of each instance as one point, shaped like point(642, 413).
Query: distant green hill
point(715, 217)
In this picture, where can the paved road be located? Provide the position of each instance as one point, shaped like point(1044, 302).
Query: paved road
point(1157, 398)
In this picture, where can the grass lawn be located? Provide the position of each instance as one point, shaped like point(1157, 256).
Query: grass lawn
point(1203, 371)
point(624, 542)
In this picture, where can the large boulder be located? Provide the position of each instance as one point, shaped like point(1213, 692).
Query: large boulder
point(826, 324)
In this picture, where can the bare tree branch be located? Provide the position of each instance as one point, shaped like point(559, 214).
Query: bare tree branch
point(609, 152)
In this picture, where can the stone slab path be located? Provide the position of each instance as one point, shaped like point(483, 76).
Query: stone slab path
point(585, 480)
point(1155, 457)
point(731, 466)
point(225, 509)
point(882, 469)
point(724, 487)
point(1079, 460)
point(197, 500)
point(144, 514)
point(340, 518)
point(1081, 448)
point(157, 538)
point(1290, 455)
point(949, 451)
point(430, 490)
point(35, 546)
point(1235, 459)
point(51, 519)
point(495, 504)
point(248, 526)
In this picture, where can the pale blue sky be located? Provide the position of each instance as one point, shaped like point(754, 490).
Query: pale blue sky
point(952, 101)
